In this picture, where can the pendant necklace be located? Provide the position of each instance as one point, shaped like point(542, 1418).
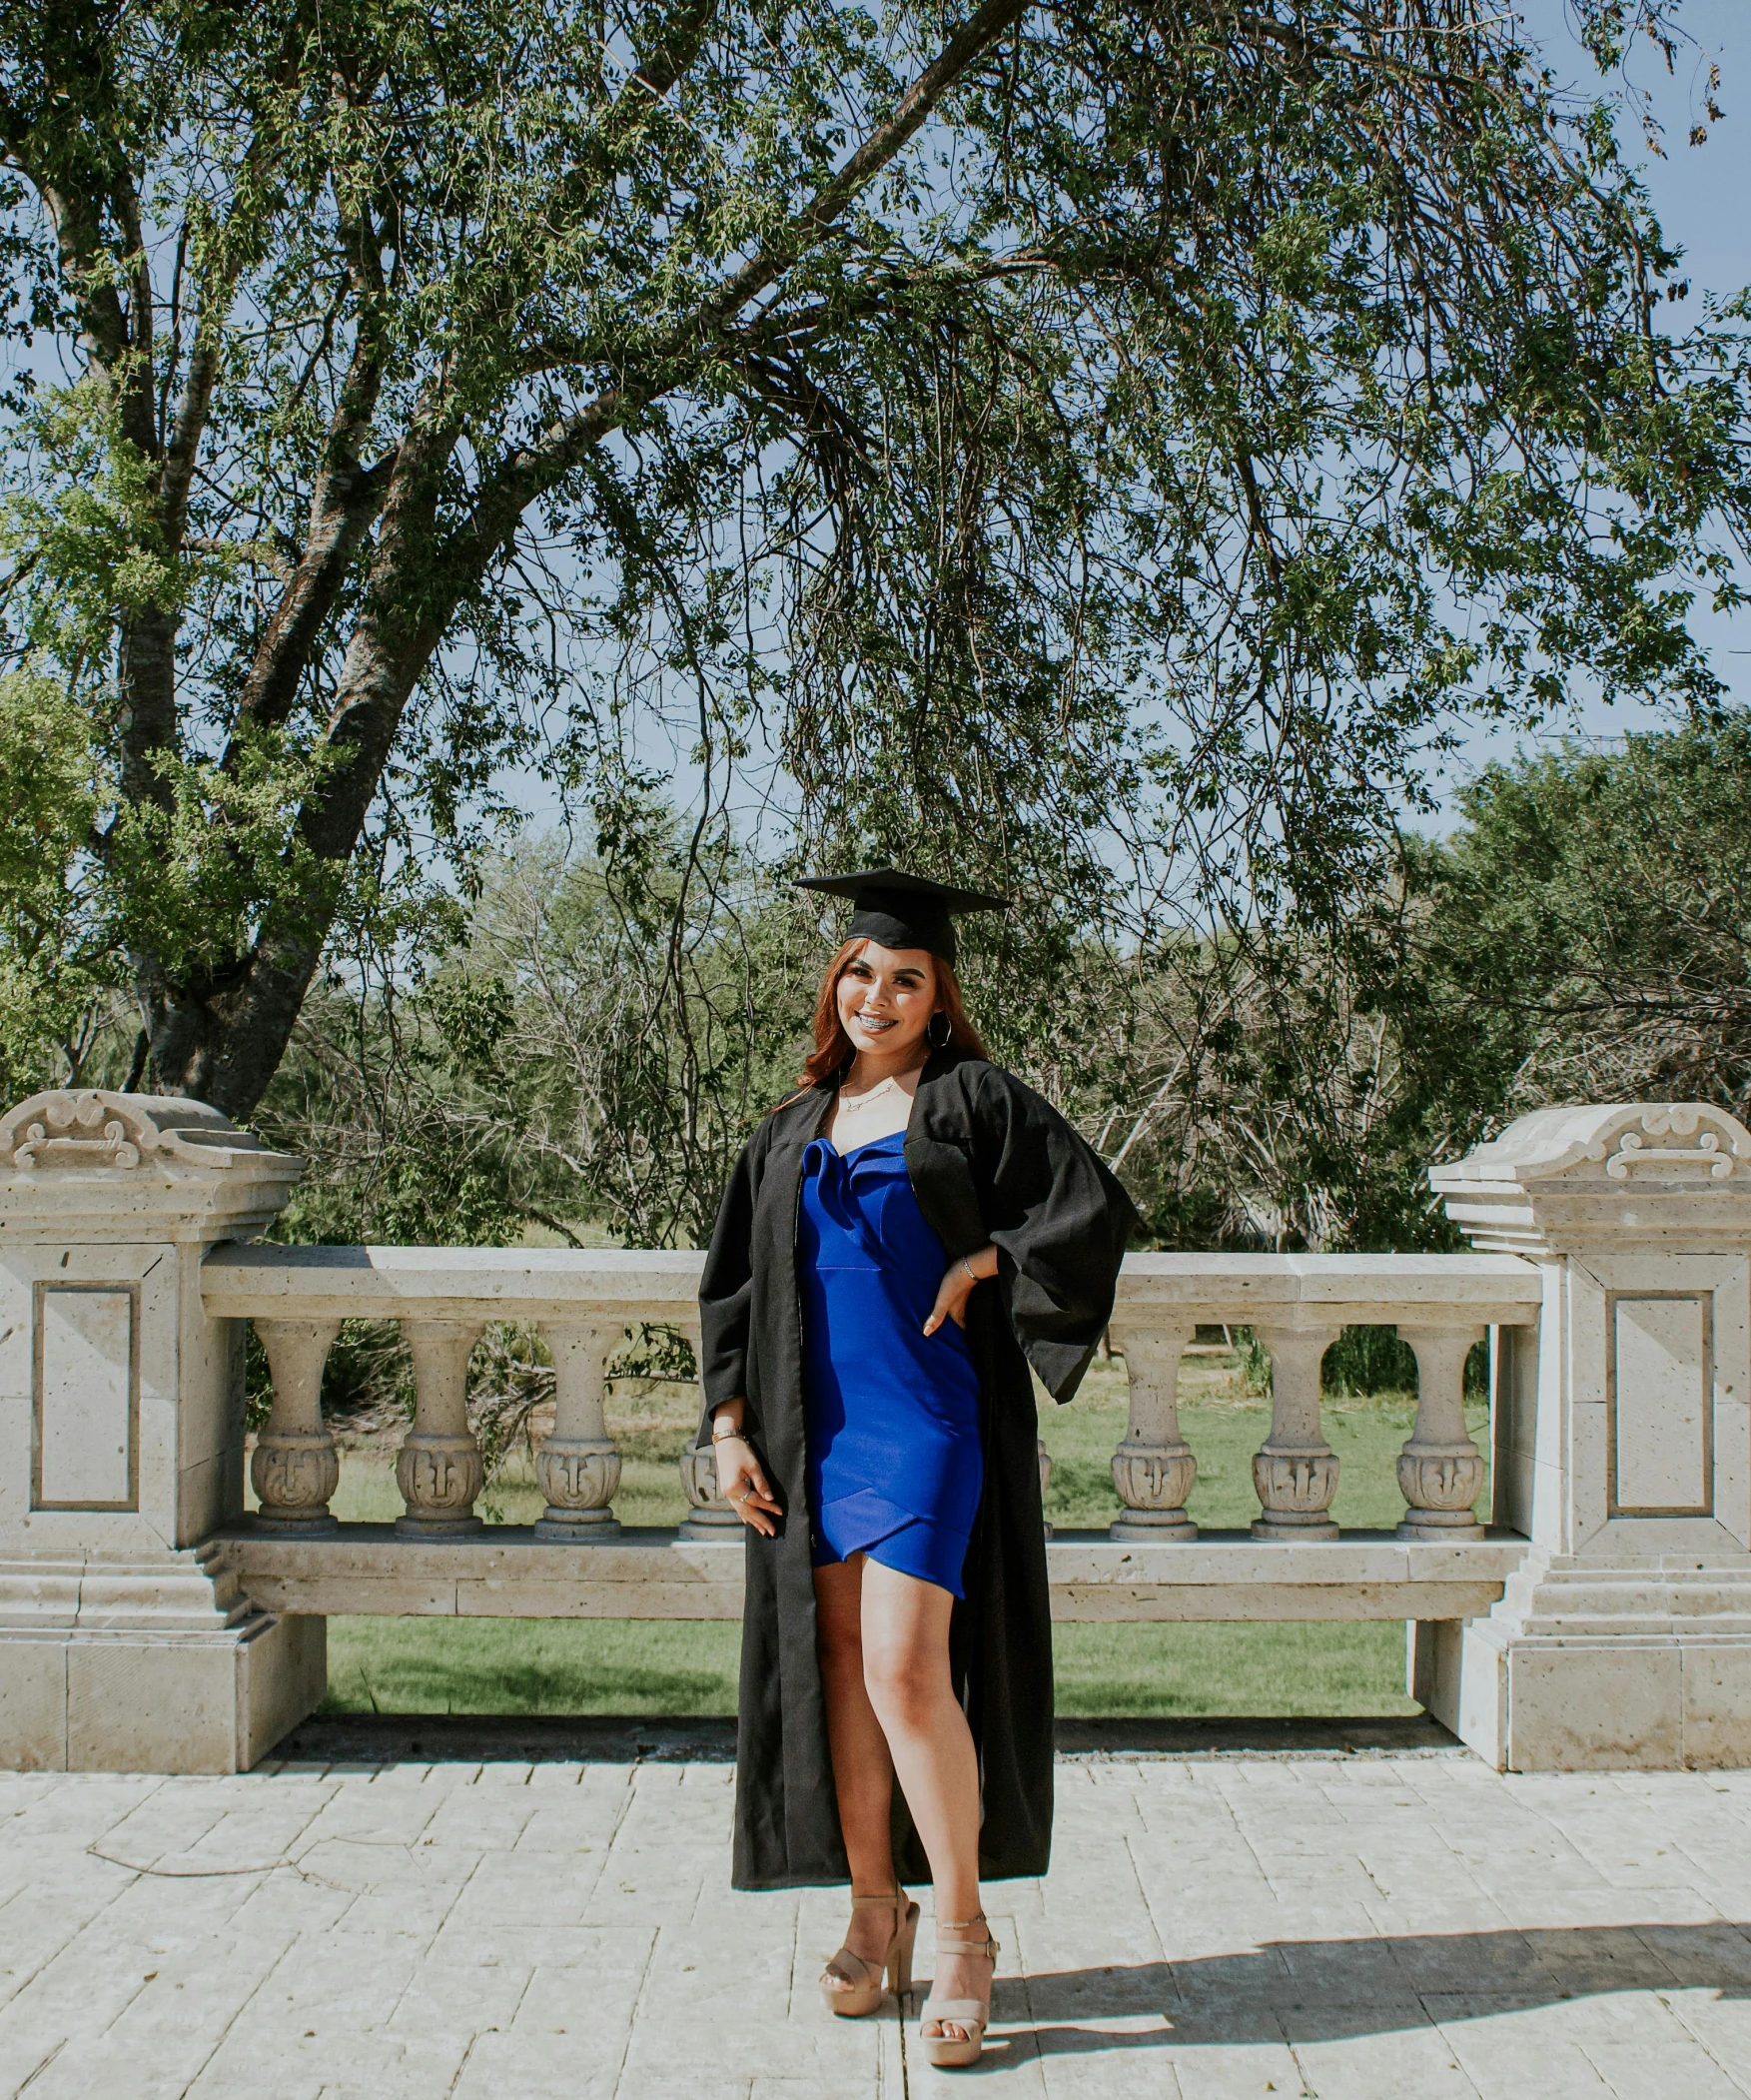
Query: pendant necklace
point(850, 1105)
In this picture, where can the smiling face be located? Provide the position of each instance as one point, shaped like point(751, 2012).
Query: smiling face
point(886, 997)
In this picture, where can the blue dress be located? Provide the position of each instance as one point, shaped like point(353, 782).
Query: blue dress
point(891, 1415)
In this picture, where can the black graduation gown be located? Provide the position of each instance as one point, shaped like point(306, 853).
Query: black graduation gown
point(990, 1161)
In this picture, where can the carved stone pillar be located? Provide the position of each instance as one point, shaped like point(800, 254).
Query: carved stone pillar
point(296, 1466)
point(1623, 1639)
point(1154, 1468)
point(710, 1516)
point(1296, 1471)
point(439, 1467)
point(1441, 1470)
point(577, 1467)
point(126, 1642)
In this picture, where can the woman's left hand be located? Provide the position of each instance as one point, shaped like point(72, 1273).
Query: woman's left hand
point(957, 1287)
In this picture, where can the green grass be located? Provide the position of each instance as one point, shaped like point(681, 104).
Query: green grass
point(451, 1666)
point(531, 1665)
point(609, 1665)
point(1351, 1668)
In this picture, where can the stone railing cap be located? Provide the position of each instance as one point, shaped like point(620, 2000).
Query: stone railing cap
point(90, 1164)
point(94, 1129)
point(1689, 1141)
point(503, 1283)
point(269, 1282)
point(1643, 1174)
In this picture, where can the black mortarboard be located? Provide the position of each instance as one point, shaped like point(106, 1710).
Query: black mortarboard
point(904, 911)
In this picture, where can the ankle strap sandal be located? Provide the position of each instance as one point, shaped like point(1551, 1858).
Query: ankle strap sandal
point(948, 2052)
point(851, 1985)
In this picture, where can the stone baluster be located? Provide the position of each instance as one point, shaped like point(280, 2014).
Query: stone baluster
point(710, 1516)
point(1044, 1460)
point(439, 1467)
point(1296, 1471)
point(1154, 1468)
point(296, 1466)
point(577, 1465)
point(1441, 1470)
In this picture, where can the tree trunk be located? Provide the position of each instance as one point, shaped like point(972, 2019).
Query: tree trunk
point(224, 1046)
point(220, 1036)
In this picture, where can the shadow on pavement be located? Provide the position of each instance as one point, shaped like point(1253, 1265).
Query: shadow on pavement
point(613, 1738)
point(1338, 1989)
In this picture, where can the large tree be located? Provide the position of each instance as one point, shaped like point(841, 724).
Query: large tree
point(1098, 446)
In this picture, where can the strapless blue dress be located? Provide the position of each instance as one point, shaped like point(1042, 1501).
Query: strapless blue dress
point(895, 1464)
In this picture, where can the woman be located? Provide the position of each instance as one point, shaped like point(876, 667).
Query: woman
point(898, 1242)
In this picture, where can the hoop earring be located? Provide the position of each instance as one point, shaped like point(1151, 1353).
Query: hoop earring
point(939, 1042)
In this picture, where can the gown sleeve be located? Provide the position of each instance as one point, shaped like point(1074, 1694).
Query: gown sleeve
point(726, 1288)
point(1060, 1222)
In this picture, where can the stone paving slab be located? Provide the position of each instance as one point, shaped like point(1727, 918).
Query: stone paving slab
point(1330, 1927)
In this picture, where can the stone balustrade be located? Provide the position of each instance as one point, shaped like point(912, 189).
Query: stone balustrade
point(1599, 1611)
point(583, 1305)
point(581, 1302)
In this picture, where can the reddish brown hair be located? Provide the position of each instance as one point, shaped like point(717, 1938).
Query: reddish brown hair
point(833, 1050)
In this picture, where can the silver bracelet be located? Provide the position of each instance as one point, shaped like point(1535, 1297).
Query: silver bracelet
point(968, 1266)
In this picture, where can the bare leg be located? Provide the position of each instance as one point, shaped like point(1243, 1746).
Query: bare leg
point(863, 1773)
point(906, 1670)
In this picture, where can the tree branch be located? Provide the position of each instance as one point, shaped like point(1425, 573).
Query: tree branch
point(216, 288)
point(671, 52)
point(963, 49)
point(103, 321)
point(344, 501)
point(530, 473)
point(350, 497)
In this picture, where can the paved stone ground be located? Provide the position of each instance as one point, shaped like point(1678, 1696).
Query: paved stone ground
point(1401, 1925)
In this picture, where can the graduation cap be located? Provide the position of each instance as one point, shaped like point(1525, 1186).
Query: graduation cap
point(903, 911)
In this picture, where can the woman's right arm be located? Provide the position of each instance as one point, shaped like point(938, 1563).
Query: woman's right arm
point(739, 1476)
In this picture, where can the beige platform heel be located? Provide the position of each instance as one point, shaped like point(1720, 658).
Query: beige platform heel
point(860, 1990)
point(974, 2014)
